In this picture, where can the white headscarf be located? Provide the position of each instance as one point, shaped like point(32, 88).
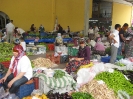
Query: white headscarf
point(59, 35)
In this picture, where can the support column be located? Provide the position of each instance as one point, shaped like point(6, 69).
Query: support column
point(86, 17)
point(53, 13)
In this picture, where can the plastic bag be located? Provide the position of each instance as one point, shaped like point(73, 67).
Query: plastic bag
point(82, 78)
point(36, 92)
point(2, 91)
point(12, 96)
point(123, 95)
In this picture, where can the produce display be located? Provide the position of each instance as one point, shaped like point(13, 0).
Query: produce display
point(58, 74)
point(116, 81)
point(119, 64)
point(129, 74)
point(81, 95)
point(108, 50)
point(37, 97)
point(42, 62)
point(5, 51)
point(98, 91)
point(52, 95)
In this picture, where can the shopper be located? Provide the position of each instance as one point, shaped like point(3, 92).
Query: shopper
point(91, 33)
point(59, 40)
point(83, 58)
point(19, 72)
point(99, 48)
point(10, 31)
point(115, 43)
point(60, 29)
point(122, 38)
point(41, 29)
point(32, 28)
point(22, 43)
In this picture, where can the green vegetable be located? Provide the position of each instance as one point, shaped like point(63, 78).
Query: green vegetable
point(59, 74)
point(119, 64)
point(116, 81)
point(81, 95)
point(5, 51)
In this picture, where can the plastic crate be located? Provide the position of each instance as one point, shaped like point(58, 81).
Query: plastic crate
point(25, 90)
point(105, 59)
point(119, 57)
point(72, 51)
point(6, 64)
point(51, 47)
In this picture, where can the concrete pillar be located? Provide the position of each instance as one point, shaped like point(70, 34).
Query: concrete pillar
point(86, 17)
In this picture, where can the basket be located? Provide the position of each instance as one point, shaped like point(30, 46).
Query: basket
point(105, 59)
point(6, 64)
point(64, 59)
point(25, 90)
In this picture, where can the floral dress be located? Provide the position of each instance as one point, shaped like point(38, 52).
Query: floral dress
point(129, 49)
point(74, 64)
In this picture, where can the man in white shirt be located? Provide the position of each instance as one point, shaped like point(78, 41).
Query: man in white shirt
point(10, 30)
point(115, 43)
point(20, 31)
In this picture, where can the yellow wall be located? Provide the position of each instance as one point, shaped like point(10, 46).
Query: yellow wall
point(26, 12)
point(121, 14)
point(71, 12)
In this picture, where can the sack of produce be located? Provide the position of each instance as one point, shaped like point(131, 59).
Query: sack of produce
point(123, 95)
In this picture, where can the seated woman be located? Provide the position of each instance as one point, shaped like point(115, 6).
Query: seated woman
point(99, 48)
point(19, 72)
point(59, 40)
point(83, 58)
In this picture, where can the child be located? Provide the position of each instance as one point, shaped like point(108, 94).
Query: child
point(115, 43)
point(22, 43)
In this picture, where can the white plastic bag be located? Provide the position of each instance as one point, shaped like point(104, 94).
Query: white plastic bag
point(82, 78)
point(36, 92)
point(97, 68)
point(123, 95)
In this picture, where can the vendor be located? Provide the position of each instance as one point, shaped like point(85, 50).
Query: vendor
point(129, 48)
point(83, 58)
point(19, 72)
point(99, 48)
point(59, 40)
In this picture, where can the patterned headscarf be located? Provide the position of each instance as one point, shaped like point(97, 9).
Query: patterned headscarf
point(21, 53)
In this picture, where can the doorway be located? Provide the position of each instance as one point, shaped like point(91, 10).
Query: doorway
point(4, 19)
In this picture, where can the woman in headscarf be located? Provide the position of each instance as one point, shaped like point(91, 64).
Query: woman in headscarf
point(83, 58)
point(59, 40)
point(19, 72)
point(99, 48)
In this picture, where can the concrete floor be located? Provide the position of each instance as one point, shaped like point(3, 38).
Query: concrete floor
point(60, 66)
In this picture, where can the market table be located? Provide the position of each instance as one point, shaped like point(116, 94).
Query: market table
point(52, 40)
